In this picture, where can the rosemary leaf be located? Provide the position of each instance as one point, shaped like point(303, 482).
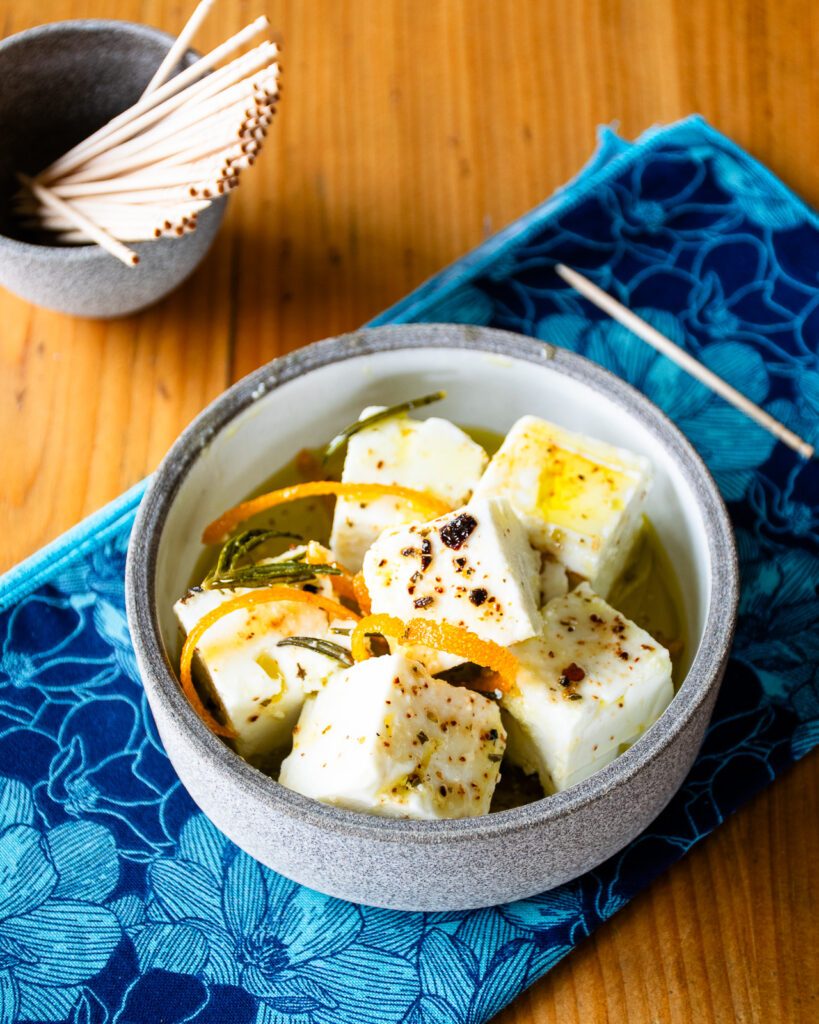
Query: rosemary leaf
point(325, 647)
point(239, 546)
point(265, 574)
point(385, 414)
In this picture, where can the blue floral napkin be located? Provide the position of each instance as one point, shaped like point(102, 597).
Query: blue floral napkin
point(119, 902)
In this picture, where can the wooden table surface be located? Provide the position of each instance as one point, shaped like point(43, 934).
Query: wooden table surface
point(409, 130)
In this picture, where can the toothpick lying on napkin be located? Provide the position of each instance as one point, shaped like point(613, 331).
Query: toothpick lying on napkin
point(668, 348)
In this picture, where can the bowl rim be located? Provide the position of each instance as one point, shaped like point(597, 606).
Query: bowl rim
point(86, 251)
point(704, 674)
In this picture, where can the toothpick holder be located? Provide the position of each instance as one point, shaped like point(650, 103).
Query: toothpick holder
point(58, 83)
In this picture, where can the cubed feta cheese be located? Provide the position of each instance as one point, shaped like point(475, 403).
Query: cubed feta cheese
point(588, 687)
point(553, 579)
point(473, 568)
point(428, 455)
point(581, 499)
point(259, 687)
point(386, 738)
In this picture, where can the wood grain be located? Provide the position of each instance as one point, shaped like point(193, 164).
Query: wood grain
point(408, 131)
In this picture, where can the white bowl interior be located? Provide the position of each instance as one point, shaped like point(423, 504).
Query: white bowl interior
point(484, 390)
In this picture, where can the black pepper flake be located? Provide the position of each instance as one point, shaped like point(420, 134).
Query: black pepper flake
point(423, 602)
point(456, 531)
point(443, 790)
point(382, 563)
point(495, 758)
point(426, 554)
point(407, 552)
point(492, 734)
point(197, 589)
point(595, 618)
point(477, 596)
point(623, 655)
point(311, 588)
point(460, 562)
point(575, 696)
point(422, 736)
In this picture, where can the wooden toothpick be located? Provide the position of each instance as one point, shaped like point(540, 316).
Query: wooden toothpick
point(617, 311)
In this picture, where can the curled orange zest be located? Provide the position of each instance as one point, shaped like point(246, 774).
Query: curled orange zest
point(263, 595)
point(442, 637)
point(362, 595)
point(219, 529)
point(343, 584)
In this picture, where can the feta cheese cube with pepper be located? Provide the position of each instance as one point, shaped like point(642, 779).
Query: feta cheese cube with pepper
point(472, 568)
point(430, 455)
point(588, 686)
point(581, 499)
point(258, 687)
point(386, 738)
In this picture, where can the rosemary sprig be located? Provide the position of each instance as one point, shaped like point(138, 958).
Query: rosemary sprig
point(325, 647)
point(385, 414)
point(241, 545)
point(265, 574)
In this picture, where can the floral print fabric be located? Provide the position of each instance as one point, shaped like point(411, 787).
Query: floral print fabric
point(121, 904)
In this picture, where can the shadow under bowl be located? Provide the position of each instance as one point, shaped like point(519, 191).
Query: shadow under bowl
point(492, 378)
point(58, 84)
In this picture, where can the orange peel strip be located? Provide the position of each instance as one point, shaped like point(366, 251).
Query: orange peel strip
point(343, 584)
point(361, 594)
point(218, 530)
point(442, 636)
point(263, 595)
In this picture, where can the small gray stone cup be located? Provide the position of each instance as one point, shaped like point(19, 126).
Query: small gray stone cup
point(58, 83)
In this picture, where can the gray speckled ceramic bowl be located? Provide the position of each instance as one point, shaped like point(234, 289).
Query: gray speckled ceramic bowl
point(58, 83)
point(492, 378)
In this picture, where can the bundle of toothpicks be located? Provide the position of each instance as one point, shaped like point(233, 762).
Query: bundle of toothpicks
point(150, 171)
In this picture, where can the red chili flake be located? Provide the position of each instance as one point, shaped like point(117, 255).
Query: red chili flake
point(456, 531)
point(572, 674)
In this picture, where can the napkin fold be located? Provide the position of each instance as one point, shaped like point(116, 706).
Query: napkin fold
point(120, 902)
